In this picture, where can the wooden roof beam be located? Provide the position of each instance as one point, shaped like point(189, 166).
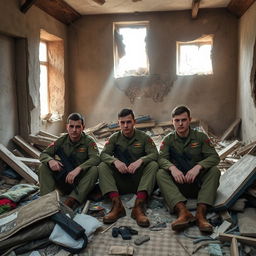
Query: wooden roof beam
point(59, 9)
point(26, 5)
point(195, 8)
point(238, 7)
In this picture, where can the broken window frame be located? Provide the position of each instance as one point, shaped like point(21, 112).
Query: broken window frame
point(204, 40)
point(119, 51)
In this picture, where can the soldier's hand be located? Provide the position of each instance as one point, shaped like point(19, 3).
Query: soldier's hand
point(191, 174)
point(70, 178)
point(134, 166)
point(177, 175)
point(120, 166)
point(55, 165)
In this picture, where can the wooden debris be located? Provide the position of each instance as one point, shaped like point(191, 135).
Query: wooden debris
point(41, 140)
point(231, 129)
point(234, 181)
point(17, 165)
point(16, 152)
point(158, 130)
point(47, 134)
point(31, 162)
point(241, 239)
point(95, 128)
point(245, 149)
point(234, 247)
point(229, 149)
point(32, 151)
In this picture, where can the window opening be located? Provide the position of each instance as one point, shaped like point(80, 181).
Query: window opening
point(130, 49)
point(52, 83)
point(44, 90)
point(194, 57)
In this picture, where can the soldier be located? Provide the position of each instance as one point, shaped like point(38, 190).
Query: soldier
point(128, 166)
point(70, 163)
point(187, 162)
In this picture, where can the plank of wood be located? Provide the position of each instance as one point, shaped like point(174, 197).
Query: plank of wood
point(229, 149)
point(9, 158)
point(231, 129)
point(234, 181)
point(16, 152)
point(40, 140)
point(47, 134)
point(245, 149)
point(32, 151)
point(241, 239)
point(246, 222)
point(95, 128)
point(195, 8)
point(31, 162)
point(234, 247)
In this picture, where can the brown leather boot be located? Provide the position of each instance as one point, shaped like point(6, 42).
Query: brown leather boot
point(117, 211)
point(185, 218)
point(71, 202)
point(138, 213)
point(201, 220)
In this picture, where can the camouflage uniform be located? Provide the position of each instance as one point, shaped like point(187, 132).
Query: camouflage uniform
point(200, 151)
point(84, 153)
point(128, 150)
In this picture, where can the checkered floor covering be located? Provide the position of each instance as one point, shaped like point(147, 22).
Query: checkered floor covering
point(162, 243)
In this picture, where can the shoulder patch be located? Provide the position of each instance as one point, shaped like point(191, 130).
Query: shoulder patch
point(208, 142)
point(162, 145)
point(93, 145)
point(51, 145)
point(150, 141)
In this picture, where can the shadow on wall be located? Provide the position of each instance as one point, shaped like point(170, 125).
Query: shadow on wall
point(152, 86)
point(253, 75)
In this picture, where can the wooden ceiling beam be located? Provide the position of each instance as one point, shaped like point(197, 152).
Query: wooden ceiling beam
point(195, 8)
point(59, 9)
point(26, 5)
point(238, 7)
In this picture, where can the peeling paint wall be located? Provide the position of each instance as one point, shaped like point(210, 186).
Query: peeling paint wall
point(246, 108)
point(8, 104)
point(96, 94)
point(15, 24)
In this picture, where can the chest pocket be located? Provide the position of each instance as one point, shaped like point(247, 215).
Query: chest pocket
point(80, 155)
point(137, 149)
point(195, 150)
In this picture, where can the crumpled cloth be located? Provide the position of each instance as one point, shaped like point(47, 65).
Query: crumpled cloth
point(6, 205)
point(18, 192)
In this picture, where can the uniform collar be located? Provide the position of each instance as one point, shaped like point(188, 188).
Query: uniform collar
point(190, 136)
point(83, 135)
point(133, 138)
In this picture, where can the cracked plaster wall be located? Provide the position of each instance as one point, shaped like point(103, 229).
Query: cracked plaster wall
point(97, 95)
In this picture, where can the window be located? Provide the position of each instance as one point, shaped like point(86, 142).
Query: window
point(52, 83)
point(44, 96)
point(130, 54)
point(194, 57)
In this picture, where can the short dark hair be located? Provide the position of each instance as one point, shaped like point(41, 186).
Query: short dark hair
point(75, 117)
point(126, 112)
point(180, 110)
